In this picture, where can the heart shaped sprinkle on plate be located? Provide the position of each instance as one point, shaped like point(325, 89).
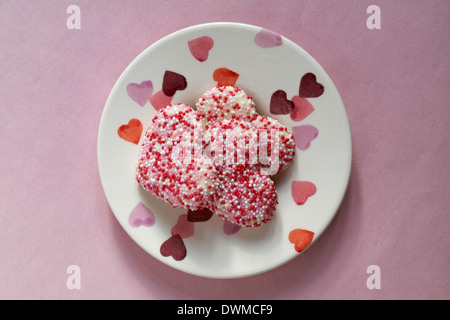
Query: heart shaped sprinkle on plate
point(300, 238)
point(309, 87)
point(230, 228)
point(131, 132)
point(172, 82)
point(199, 215)
point(200, 47)
point(303, 135)
point(184, 227)
point(303, 108)
point(302, 190)
point(268, 39)
point(159, 100)
point(225, 77)
point(141, 216)
point(140, 93)
point(174, 247)
point(279, 104)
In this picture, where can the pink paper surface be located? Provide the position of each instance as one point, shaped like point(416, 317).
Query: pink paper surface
point(394, 83)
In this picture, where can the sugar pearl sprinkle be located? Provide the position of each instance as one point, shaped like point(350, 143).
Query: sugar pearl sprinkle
point(236, 191)
point(225, 102)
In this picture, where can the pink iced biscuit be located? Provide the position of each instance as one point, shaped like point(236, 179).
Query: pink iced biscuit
point(244, 196)
point(283, 139)
point(169, 167)
point(225, 102)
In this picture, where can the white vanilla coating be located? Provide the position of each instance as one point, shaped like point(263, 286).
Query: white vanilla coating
point(225, 102)
point(168, 166)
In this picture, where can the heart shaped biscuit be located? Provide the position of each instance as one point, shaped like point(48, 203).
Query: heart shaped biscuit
point(167, 168)
point(241, 193)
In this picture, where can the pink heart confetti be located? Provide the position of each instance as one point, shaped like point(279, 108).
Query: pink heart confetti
point(141, 216)
point(303, 135)
point(268, 39)
point(302, 190)
point(159, 100)
point(302, 109)
point(200, 47)
point(140, 93)
point(184, 227)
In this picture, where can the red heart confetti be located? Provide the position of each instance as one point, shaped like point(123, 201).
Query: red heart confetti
point(131, 132)
point(172, 82)
point(174, 246)
point(309, 87)
point(184, 227)
point(279, 104)
point(300, 238)
point(302, 109)
point(302, 190)
point(200, 47)
point(225, 77)
point(199, 215)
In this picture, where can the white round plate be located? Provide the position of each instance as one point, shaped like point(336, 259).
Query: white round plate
point(260, 62)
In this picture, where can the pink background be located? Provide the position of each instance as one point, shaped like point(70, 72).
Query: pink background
point(394, 83)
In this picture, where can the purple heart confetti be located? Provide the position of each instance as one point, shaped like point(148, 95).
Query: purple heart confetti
point(268, 39)
point(140, 93)
point(141, 216)
point(303, 135)
point(230, 228)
